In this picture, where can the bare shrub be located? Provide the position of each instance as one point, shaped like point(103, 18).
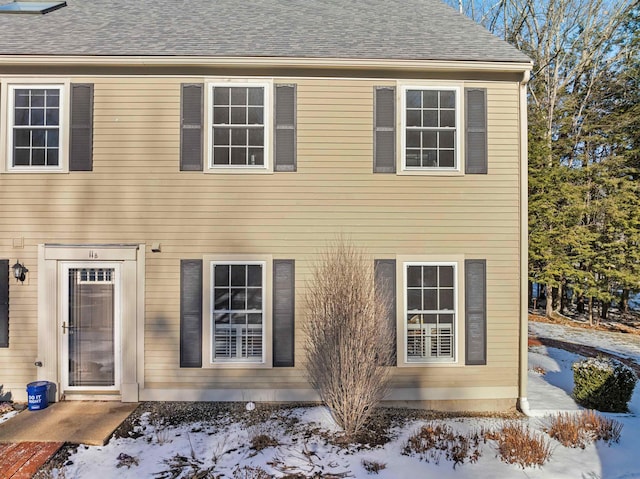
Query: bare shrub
point(161, 432)
point(220, 448)
point(262, 441)
point(373, 467)
point(249, 472)
point(585, 427)
point(517, 444)
point(183, 466)
point(297, 462)
point(262, 435)
point(348, 339)
point(434, 440)
point(125, 460)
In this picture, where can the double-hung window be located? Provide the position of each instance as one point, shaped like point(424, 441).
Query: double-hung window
point(431, 298)
point(238, 315)
point(431, 136)
point(239, 126)
point(35, 126)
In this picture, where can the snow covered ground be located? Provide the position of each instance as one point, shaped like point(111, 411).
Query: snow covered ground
point(224, 448)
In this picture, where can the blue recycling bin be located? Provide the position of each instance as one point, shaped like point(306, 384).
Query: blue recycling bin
point(37, 395)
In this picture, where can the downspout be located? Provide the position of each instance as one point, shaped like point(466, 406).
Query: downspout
point(523, 403)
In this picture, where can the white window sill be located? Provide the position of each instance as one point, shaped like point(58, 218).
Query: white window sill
point(240, 170)
point(430, 172)
point(33, 170)
point(237, 365)
point(429, 364)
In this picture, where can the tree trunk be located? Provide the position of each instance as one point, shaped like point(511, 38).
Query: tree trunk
point(580, 306)
point(590, 310)
point(530, 293)
point(560, 297)
point(605, 309)
point(624, 301)
point(549, 298)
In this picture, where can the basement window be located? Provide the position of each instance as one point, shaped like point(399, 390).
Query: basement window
point(31, 7)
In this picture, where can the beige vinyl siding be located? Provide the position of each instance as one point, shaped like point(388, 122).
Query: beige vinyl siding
point(136, 194)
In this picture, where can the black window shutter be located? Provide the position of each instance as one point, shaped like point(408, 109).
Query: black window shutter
point(191, 114)
point(385, 270)
point(283, 312)
point(285, 128)
point(475, 272)
point(190, 313)
point(81, 135)
point(476, 130)
point(384, 130)
point(4, 303)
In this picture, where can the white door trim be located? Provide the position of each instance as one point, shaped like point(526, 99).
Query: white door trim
point(131, 258)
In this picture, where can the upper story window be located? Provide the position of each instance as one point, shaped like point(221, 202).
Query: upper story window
point(36, 114)
point(431, 128)
point(431, 298)
point(45, 126)
point(239, 126)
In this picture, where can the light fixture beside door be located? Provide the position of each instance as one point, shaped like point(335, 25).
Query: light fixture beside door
point(19, 271)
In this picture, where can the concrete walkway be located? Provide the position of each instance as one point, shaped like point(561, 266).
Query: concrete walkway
point(76, 422)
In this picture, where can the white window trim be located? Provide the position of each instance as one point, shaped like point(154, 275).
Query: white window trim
point(460, 128)
point(402, 262)
point(7, 88)
point(267, 84)
point(207, 325)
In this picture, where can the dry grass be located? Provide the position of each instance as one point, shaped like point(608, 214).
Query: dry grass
point(517, 444)
point(262, 441)
point(373, 467)
point(183, 466)
point(161, 432)
point(125, 460)
point(248, 472)
point(264, 435)
point(348, 339)
point(579, 429)
point(434, 440)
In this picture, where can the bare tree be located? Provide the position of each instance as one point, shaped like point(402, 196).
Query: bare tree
point(348, 339)
point(572, 44)
point(575, 45)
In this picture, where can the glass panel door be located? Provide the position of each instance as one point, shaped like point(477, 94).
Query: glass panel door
point(90, 329)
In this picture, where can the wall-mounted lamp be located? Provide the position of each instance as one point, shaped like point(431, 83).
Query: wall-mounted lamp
point(19, 271)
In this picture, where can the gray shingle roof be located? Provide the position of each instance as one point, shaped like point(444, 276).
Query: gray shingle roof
point(359, 29)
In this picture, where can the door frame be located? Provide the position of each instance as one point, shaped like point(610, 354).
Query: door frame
point(63, 287)
point(131, 258)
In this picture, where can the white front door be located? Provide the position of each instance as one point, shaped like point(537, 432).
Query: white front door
point(90, 324)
